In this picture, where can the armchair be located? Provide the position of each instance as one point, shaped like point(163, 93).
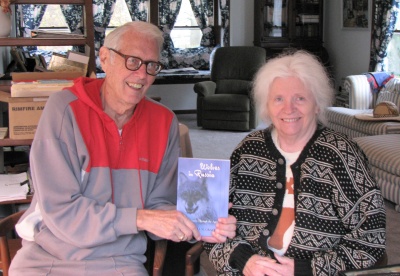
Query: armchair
point(224, 102)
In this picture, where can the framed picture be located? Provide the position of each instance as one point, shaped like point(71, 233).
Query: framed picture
point(356, 14)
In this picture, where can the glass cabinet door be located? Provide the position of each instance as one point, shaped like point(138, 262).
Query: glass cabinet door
point(275, 18)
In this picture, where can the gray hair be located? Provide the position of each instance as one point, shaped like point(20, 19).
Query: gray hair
point(143, 28)
point(302, 65)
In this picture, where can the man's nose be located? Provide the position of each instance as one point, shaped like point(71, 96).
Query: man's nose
point(142, 71)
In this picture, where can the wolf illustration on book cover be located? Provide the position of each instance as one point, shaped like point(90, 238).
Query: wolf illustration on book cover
point(203, 187)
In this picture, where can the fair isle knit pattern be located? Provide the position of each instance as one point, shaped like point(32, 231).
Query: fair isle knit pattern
point(340, 215)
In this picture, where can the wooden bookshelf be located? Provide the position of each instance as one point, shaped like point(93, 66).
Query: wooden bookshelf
point(87, 41)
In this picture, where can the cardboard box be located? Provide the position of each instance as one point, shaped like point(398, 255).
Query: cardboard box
point(24, 112)
point(24, 115)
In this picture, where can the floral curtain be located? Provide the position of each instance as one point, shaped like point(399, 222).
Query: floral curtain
point(225, 15)
point(204, 13)
point(74, 18)
point(199, 57)
point(384, 21)
point(102, 11)
point(138, 9)
point(168, 11)
point(28, 18)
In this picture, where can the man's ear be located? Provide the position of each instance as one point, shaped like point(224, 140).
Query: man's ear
point(104, 55)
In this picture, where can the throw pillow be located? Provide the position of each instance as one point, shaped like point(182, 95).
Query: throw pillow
point(392, 85)
point(389, 96)
point(390, 92)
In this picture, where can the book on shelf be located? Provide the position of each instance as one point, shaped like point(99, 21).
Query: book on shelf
point(309, 18)
point(18, 59)
point(389, 270)
point(39, 88)
point(52, 34)
point(203, 191)
point(3, 132)
point(61, 63)
point(78, 57)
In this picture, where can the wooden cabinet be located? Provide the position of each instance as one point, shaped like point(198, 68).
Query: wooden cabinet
point(280, 24)
point(87, 41)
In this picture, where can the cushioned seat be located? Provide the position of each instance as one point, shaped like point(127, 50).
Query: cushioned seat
point(383, 152)
point(224, 102)
point(227, 102)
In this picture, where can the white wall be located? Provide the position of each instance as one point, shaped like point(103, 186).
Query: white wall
point(242, 23)
point(348, 49)
point(175, 96)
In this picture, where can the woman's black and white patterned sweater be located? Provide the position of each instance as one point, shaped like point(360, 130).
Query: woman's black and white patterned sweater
point(340, 215)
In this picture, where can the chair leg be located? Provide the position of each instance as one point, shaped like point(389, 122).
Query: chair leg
point(191, 256)
point(159, 257)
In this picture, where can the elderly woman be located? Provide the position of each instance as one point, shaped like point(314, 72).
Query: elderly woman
point(304, 197)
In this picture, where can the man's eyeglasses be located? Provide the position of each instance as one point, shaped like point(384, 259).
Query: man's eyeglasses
point(133, 63)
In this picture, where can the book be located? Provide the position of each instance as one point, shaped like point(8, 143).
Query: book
point(3, 132)
point(18, 58)
point(61, 63)
point(78, 57)
point(203, 191)
point(51, 34)
point(39, 88)
point(13, 186)
point(389, 270)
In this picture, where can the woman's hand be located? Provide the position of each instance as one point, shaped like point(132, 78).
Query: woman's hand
point(225, 228)
point(258, 266)
point(283, 267)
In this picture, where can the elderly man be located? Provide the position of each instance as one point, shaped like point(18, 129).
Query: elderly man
point(103, 166)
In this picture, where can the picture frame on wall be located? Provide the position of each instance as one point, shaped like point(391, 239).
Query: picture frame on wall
point(356, 14)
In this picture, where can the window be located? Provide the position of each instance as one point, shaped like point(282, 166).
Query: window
point(186, 33)
point(120, 15)
point(393, 57)
point(53, 19)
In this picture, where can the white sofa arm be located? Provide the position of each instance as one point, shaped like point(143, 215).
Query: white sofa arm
point(359, 92)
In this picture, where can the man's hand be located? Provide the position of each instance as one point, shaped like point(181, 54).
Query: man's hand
point(171, 225)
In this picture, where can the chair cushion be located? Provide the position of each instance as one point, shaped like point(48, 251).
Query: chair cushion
point(226, 125)
point(233, 87)
point(227, 102)
point(383, 151)
point(223, 115)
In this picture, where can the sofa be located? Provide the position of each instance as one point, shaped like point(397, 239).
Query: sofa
point(380, 140)
point(361, 99)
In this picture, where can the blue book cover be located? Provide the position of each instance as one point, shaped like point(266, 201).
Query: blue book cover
point(203, 191)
